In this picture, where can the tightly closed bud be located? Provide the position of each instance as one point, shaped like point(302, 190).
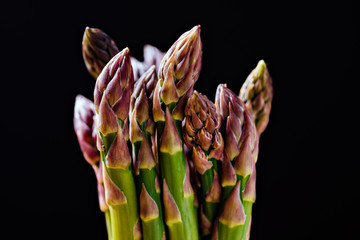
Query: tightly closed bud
point(113, 89)
point(233, 213)
point(84, 126)
point(153, 56)
point(140, 106)
point(257, 94)
point(180, 67)
point(146, 83)
point(97, 48)
point(201, 130)
point(241, 136)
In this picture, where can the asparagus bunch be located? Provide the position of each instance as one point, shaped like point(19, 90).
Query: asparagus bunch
point(144, 116)
point(85, 129)
point(241, 150)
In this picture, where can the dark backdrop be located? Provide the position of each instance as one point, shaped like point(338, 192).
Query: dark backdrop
point(304, 187)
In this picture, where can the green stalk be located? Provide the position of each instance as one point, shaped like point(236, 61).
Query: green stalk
point(232, 218)
point(151, 215)
point(175, 173)
point(123, 216)
point(173, 170)
point(206, 180)
point(141, 132)
point(229, 233)
point(108, 223)
point(248, 209)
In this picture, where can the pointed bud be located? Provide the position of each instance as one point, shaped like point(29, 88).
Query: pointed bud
point(214, 193)
point(170, 141)
point(97, 49)
point(228, 172)
point(147, 81)
point(204, 139)
point(107, 120)
point(101, 195)
point(136, 134)
point(222, 99)
point(249, 193)
point(118, 155)
point(243, 164)
point(145, 156)
point(148, 208)
point(158, 113)
point(188, 190)
point(172, 213)
point(231, 146)
point(180, 67)
point(257, 93)
point(201, 162)
point(116, 82)
point(178, 112)
point(113, 195)
point(217, 146)
point(168, 91)
point(99, 144)
point(125, 129)
point(233, 212)
point(137, 234)
point(150, 127)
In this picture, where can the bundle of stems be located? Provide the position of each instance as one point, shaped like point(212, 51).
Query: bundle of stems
point(169, 162)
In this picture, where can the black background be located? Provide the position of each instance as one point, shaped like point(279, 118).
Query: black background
point(306, 179)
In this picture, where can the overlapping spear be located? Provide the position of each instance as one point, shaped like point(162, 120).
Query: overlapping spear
point(143, 118)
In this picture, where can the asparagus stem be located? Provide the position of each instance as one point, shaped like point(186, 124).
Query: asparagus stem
point(178, 72)
point(108, 223)
point(248, 209)
point(173, 169)
point(141, 132)
point(111, 98)
point(239, 164)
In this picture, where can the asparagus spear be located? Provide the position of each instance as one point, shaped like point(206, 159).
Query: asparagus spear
point(113, 89)
point(178, 73)
point(241, 149)
point(201, 133)
point(97, 48)
point(152, 56)
point(141, 133)
point(85, 129)
point(257, 94)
